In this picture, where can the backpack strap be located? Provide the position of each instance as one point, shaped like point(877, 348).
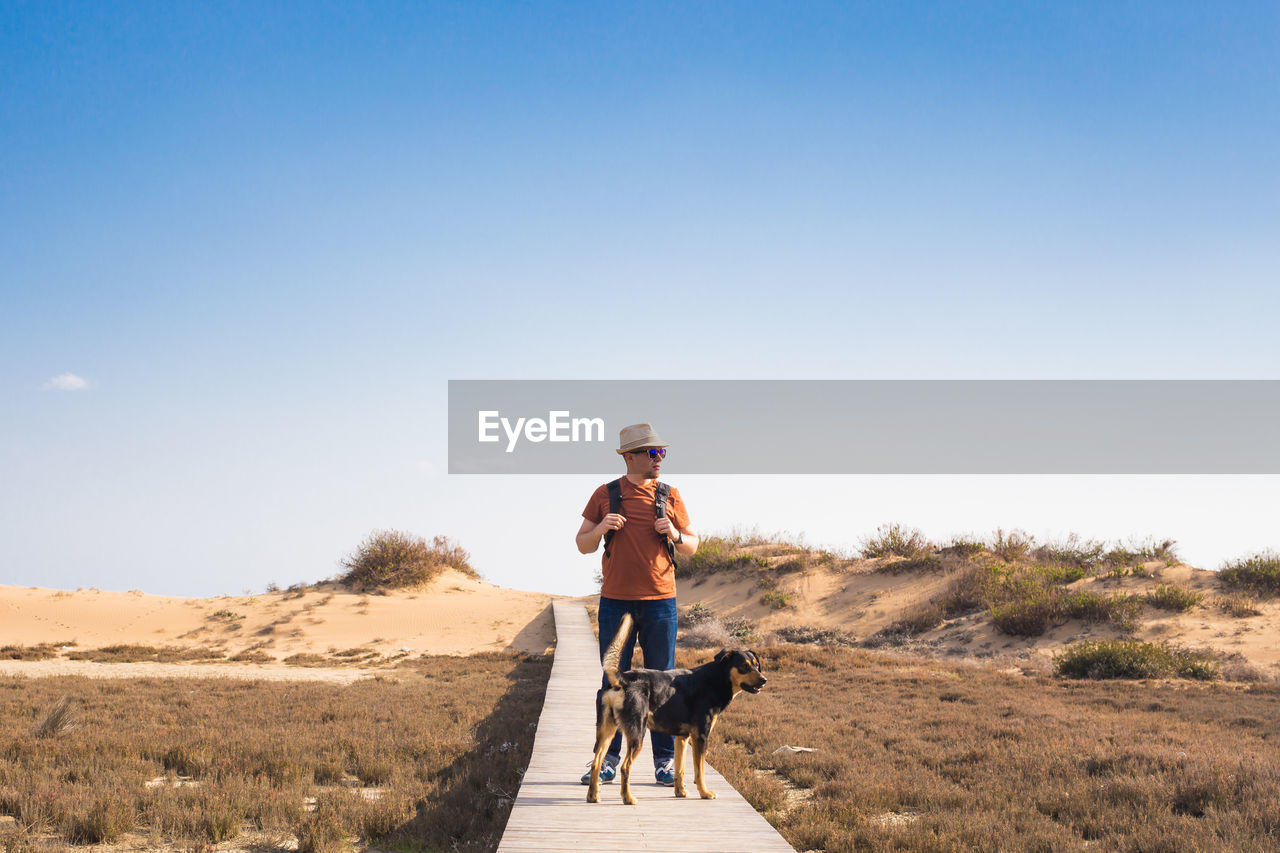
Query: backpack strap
point(660, 511)
point(615, 506)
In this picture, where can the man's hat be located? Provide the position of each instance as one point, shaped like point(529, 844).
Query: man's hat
point(637, 436)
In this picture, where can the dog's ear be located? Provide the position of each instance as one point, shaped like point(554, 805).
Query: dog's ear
point(721, 655)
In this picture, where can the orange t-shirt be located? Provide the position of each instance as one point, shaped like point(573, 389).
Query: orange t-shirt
point(638, 567)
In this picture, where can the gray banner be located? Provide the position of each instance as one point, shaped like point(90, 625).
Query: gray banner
point(871, 427)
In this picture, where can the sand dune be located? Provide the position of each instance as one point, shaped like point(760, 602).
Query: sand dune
point(457, 614)
point(861, 601)
point(454, 614)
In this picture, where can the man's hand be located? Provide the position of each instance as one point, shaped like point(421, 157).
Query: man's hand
point(673, 533)
point(589, 535)
point(611, 521)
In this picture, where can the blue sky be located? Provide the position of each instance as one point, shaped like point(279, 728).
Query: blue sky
point(267, 235)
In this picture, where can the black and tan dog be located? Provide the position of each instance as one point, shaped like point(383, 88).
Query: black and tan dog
point(680, 702)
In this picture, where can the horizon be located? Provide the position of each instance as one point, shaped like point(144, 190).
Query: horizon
point(246, 249)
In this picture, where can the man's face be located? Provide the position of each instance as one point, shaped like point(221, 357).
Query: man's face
point(642, 464)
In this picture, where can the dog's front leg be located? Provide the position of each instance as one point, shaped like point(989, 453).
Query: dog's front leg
point(680, 791)
point(699, 754)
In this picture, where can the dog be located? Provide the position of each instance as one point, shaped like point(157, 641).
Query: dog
point(683, 703)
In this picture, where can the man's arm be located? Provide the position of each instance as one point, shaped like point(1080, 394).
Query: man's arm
point(589, 534)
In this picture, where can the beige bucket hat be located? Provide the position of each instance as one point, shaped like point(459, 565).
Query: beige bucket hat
point(637, 436)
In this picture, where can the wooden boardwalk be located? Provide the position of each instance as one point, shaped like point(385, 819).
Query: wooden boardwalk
point(551, 812)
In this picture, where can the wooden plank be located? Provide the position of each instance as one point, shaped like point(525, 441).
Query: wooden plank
point(551, 812)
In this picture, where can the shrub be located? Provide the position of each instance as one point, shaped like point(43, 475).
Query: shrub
point(322, 831)
point(1122, 610)
point(775, 600)
point(390, 559)
point(895, 540)
point(1238, 604)
point(1029, 617)
point(1061, 574)
point(810, 635)
point(964, 547)
point(1172, 597)
point(106, 820)
point(1083, 554)
point(917, 621)
point(1013, 547)
point(1134, 659)
point(1259, 573)
point(717, 554)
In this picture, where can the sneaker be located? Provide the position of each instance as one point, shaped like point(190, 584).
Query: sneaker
point(608, 769)
point(665, 773)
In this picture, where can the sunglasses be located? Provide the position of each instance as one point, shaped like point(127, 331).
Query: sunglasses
point(654, 452)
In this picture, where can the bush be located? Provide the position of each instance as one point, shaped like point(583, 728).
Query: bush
point(1123, 610)
point(895, 540)
point(917, 621)
point(1082, 554)
point(1238, 604)
point(809, 635)
point(1016, 546)
point(717, 554)
point(1134, 659)
point(107, 819)
point(390, 559)
point(1171, 597)
point(964, 547)
point(1029, 617)
point(1259, 573)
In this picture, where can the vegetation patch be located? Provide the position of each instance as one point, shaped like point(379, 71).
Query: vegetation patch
point(1260, 574)
point(896, 540)
point(1124, 765)
point(1134, 659)
point(1173, 597)
point(127, 653)
point(718, 554)
point(42, 651)
point(446, 760)
point(392, 559)
point(1238, 604)
point(811, 635)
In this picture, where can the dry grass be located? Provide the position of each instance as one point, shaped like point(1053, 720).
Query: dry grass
point(444, 739)
point(41, 651)
point(393, 559)
point(924, 756)
point(138, 654)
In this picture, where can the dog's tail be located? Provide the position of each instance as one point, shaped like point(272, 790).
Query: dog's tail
point(614, 652)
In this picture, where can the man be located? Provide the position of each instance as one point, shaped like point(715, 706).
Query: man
point(639, 572)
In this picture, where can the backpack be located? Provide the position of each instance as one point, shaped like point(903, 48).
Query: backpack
point(659, 511)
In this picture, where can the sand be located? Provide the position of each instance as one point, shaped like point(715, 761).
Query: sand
point(454, 615)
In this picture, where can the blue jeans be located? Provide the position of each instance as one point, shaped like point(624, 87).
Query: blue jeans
point(656, 628)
